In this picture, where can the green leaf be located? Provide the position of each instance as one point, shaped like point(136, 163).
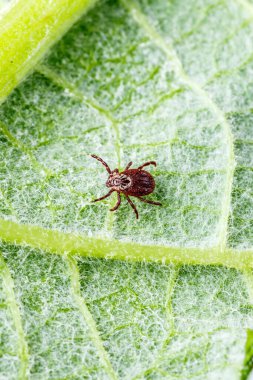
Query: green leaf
point(164, 81)
point(122, 320)
point(83, 100)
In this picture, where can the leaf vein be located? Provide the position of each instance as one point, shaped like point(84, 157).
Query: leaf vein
point(77, 94)
point(8, 285)
point(95, 336)
point(57, 242)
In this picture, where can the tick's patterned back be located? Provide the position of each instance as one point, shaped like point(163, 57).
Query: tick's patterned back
point(142, 182)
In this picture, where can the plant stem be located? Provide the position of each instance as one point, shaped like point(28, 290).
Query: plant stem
point(28, 30)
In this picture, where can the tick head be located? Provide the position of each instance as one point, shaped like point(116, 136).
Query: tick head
point(118, 181)
point(113, 179)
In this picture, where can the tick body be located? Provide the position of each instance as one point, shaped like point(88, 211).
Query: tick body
point(130, 182)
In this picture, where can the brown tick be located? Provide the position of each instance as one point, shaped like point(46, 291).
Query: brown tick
point(130, 182)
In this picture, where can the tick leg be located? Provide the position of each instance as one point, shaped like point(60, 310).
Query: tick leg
point(150, 202)
point(128, 165)
point(146, 164)
point(132, 205)
point(117, 204)
point(103, 162)
point(105, 196)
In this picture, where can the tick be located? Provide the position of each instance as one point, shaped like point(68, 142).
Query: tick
point(130, 182)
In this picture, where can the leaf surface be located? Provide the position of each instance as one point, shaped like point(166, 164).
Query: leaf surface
point(131, 81)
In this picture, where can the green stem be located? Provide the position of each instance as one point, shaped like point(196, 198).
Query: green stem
point(28, 30)
point(58, 242)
